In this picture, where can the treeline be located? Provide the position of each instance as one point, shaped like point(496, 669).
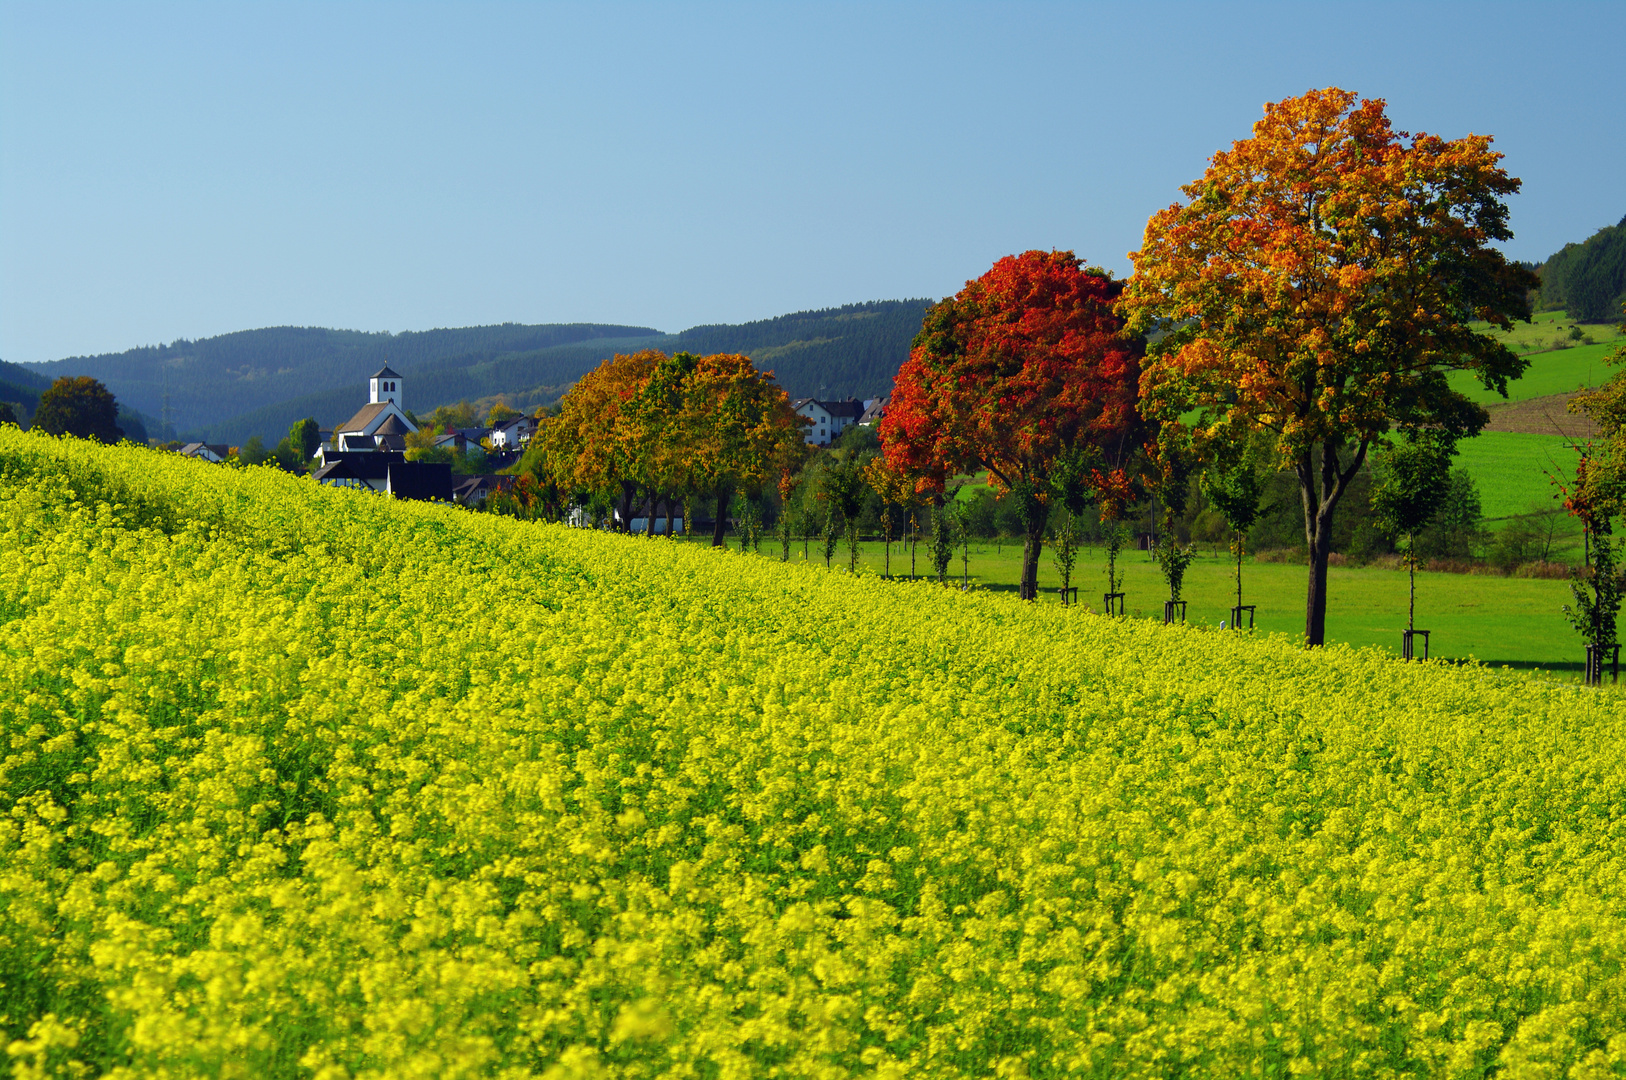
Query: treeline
point(21, 391)
point(849, 351)
point(1588, 280)
point(644, 434)
point(837, 352)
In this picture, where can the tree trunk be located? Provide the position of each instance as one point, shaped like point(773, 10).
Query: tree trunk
point(1032, 544)
point(1315, 608)
point(1238, 571)
point(1320, 500)
point(629, 492)
point(725, 495)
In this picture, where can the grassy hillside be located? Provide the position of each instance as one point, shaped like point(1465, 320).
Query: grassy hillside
point(1497, 620)
point(699, 814)
point(1515, 470)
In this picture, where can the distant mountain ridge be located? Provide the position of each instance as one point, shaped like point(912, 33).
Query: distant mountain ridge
point(202, 384)
point(259, 382)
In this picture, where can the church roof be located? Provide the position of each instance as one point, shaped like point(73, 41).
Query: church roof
point(393, 426)
point(366, 416)
point(386, 373)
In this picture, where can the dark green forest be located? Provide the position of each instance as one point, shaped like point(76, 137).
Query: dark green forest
point(834, 353)
point(257, 382)
point(1588, 280)
point(200, 385)
point(21, 387)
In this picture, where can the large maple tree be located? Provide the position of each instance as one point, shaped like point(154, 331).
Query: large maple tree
point(1025, 364)
point(1324, 279)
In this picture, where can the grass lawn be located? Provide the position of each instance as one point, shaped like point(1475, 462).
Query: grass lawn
point(1514, 621)
point(1549, 373)
point(1514, 470)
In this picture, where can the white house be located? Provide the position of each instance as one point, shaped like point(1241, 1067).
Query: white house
point(206, 451)
point(381, 424)
point(830, 418)
point(512, 434)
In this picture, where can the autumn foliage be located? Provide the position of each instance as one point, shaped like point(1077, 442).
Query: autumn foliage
point(1025, 364)
point(1320, 284)
point(653, 430)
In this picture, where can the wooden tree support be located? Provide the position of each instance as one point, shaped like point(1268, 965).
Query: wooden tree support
point(1069, 596)
point(1407, 638)
point(1236, 616)
point(1112, 603)
point(1595, 660)
point(1171, 608)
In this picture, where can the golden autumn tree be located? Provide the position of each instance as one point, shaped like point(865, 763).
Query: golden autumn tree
point(591, 446)
point(737, 429)
point(1320, 285)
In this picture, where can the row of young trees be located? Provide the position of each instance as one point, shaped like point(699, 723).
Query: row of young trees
point(1301, 311)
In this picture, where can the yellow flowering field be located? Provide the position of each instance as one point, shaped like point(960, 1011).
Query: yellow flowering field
point(300, 782)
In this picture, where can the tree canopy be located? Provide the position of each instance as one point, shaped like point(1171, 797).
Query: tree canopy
point(670, 427)
point(1319, 285)
point(79, 406)
point(1015, 370)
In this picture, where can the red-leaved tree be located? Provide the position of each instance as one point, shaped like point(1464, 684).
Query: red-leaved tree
point(1024, 365)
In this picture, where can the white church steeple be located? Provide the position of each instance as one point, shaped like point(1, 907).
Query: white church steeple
point(385, 386)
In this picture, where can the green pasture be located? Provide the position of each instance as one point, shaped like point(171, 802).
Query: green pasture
point(1515, 471)
point(1499, 620)
point(1557, 372)
point(1550, 329)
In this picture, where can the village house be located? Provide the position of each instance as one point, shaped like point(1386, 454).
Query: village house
point(214, 452)
point(512, 434)
point(830, 418)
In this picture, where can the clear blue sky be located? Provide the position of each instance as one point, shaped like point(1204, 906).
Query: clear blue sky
point(178, 170)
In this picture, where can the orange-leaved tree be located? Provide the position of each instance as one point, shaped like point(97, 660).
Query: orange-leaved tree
point(1025, 364)
point(1322, 282)
point(590, 447)
point(737, 429)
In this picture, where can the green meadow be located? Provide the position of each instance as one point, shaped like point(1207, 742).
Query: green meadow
point(1516, 471)
point(1498, 620)
point(1558, 372)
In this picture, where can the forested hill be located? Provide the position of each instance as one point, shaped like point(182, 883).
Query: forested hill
point(21, 386)
point(1588, 281)
point(835, 353)
point(209, 381)
point(258, 382)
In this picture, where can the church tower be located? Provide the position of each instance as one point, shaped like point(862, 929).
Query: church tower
point(385, 386)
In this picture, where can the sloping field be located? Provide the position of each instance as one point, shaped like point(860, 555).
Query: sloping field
point(1557, 372)
point(301, 782)
point(1515, 470)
